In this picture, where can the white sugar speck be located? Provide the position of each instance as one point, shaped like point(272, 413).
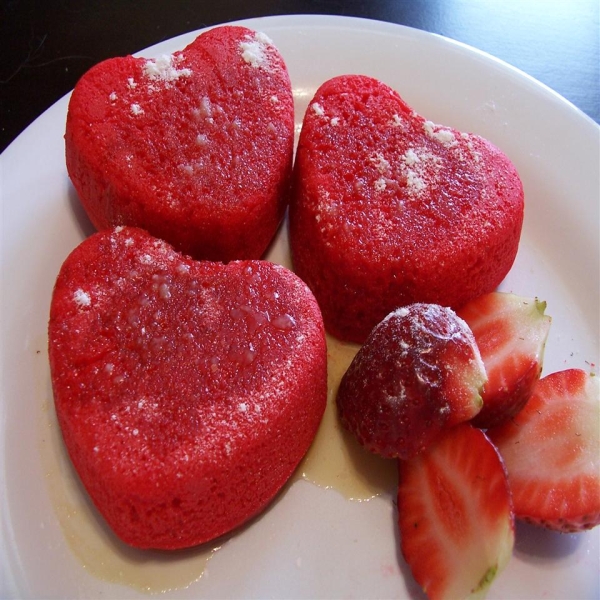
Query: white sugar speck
point(444, 136)
point(242, 407)
point(317, 109)
point(205, 109)
point(113, 97)
point(428, 126)
point(82, 298)
point(414, 181)
point(264, 38)
point(136, 109)
point(396, 121)
point(131, 84)
point(380, 185)
point(164, 69)
point(410, 157)
point(335, 121)
point(253, 50)
point(399, 312)
point(380, 163)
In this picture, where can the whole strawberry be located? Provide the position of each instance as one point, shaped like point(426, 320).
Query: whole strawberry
point(418, 372)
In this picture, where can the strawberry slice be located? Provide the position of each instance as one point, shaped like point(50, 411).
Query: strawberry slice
point(511, 333)
point(552, 453)
point(455, 514)
point(418, 372)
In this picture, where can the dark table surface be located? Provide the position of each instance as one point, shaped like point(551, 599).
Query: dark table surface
point(48, 44)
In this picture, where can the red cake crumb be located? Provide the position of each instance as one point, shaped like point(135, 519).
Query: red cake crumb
point(187, 392)
point(195, 147)
point(389, 208)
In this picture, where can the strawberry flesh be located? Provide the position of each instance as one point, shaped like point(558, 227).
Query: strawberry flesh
point(418, 372)
point(552, 453)
point(455, 514)
point(511, 334)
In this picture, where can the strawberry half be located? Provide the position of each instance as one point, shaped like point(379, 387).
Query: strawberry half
point(455, 514)
point(418, 372)
point(552, 453)
point(511, 333)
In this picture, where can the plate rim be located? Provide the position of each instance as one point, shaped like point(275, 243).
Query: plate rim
point(332, 21)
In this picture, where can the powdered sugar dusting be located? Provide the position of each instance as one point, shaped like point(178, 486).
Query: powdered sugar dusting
point(317, 109)
point(82, 298)
point(261, 36)
point(475, 155)
point(380, 162)
point(415, 182)
point(419, 328)
point(164, 68)
point(136, 109)
point(398, 313)
point(253, 50)
point(169, 316)
point(396, 121)
point(410, 157)
point(380, 184)
point(443, 135)
point(419, 170)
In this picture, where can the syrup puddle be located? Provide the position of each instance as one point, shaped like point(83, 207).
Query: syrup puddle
point(335, 461)
point(100, 552)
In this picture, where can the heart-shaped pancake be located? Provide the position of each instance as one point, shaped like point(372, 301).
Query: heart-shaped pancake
point(187, 392)
point(390, 209)
point(194, 147)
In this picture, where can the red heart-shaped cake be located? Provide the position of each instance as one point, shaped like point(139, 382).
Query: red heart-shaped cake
point(187, 392)
point(390, 209)
point(195, 147)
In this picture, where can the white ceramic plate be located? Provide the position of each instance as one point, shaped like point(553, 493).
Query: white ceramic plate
point(312, 542)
